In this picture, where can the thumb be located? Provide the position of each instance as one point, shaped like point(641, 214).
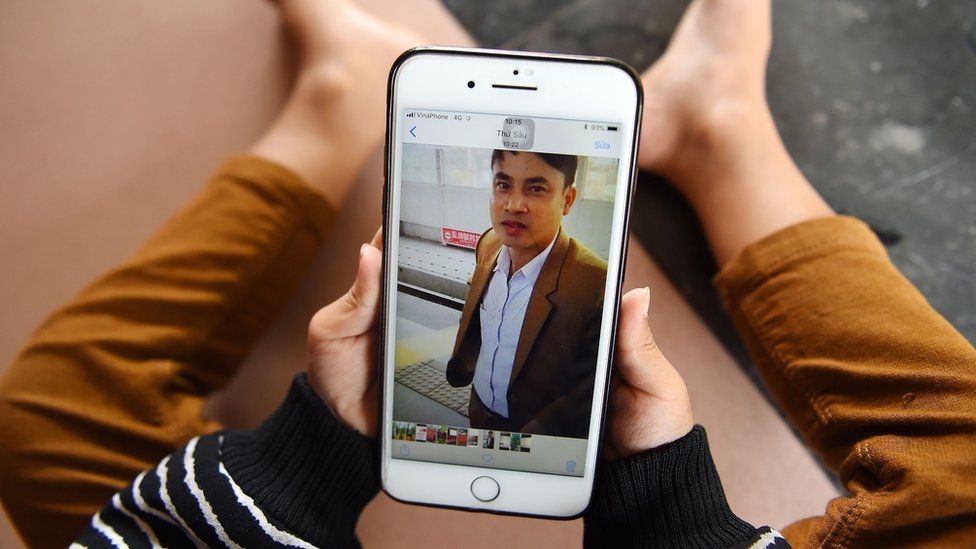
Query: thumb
point(356, 311)
point(640, 363)
point(364, 296)
point(651, 403)
point(362, 300)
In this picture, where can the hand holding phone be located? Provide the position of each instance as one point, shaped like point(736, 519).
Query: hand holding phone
point(649, 406)
point(342, 339)
point(649, 403)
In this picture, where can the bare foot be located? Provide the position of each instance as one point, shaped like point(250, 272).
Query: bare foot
point(708, 129)
point(711, 77)
point(336, 113)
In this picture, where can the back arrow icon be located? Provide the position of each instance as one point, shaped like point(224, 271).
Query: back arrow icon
point(411, 131)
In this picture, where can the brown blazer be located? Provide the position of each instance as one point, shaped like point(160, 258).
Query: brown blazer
point(555, 360)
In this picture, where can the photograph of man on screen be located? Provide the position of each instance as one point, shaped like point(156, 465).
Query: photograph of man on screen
point(530, 327)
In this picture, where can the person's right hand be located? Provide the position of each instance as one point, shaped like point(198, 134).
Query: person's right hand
point(343, 346)
point(649, 404)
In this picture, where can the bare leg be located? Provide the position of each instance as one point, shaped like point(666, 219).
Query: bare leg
point(845, 344)
point(336, 113)
point(708, 128)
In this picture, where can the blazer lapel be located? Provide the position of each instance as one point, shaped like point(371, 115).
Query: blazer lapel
point(479, 283)
point(540, 304)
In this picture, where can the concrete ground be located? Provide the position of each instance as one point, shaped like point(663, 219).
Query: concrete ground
point(114, 113)
point(875, 99)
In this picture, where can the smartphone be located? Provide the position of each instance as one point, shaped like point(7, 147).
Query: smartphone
point(509, 178)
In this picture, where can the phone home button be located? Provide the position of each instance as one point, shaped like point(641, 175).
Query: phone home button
point(484, 489)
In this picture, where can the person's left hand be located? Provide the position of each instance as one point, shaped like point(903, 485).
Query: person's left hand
point(649, 403)
point(342, 346)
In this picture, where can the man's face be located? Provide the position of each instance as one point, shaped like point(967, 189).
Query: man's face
point(528, 201)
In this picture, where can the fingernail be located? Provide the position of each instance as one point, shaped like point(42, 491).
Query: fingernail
point(647, 301)
point(362, 250)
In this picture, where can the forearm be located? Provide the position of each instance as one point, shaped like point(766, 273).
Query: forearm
point(879, 384)
point(117, 378)
point(669, 496)
point(301, 479)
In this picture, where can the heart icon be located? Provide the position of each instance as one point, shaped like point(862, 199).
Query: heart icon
point(487, 458)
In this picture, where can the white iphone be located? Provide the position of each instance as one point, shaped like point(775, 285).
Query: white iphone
point(508, 188)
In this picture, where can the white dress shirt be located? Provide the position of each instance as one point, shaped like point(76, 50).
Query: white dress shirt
point(502, 312)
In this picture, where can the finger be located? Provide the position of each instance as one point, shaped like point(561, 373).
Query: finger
point(377, 241)
point(641, 363)
point(364, 296)
point(355, 312)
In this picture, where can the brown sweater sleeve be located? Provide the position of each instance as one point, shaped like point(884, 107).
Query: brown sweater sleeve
point(117, 378)
point(876, 381)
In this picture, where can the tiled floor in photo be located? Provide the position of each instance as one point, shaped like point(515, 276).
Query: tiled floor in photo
point(430, 382)
point(446, 261)
point(425, 338)
point(434, 267)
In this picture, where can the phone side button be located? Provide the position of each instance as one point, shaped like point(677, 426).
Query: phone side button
point(484, 489)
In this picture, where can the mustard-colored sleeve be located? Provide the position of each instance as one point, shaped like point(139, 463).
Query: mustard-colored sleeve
point(876, 381)
point(116, 379)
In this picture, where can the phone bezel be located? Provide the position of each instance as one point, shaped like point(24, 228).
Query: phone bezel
point(389, 264)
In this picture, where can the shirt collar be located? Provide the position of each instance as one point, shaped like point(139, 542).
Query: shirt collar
point(531, 269)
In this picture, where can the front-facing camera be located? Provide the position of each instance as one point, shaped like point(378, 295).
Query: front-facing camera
point(470, 83)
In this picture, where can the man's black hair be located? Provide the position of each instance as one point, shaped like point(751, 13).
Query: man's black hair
point(565, 163)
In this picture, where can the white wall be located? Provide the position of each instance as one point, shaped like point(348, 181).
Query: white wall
point(450, 187)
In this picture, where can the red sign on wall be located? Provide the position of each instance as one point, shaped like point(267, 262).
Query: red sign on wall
point(457, 237)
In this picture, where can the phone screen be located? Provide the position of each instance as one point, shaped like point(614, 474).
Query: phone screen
point(504, 232)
